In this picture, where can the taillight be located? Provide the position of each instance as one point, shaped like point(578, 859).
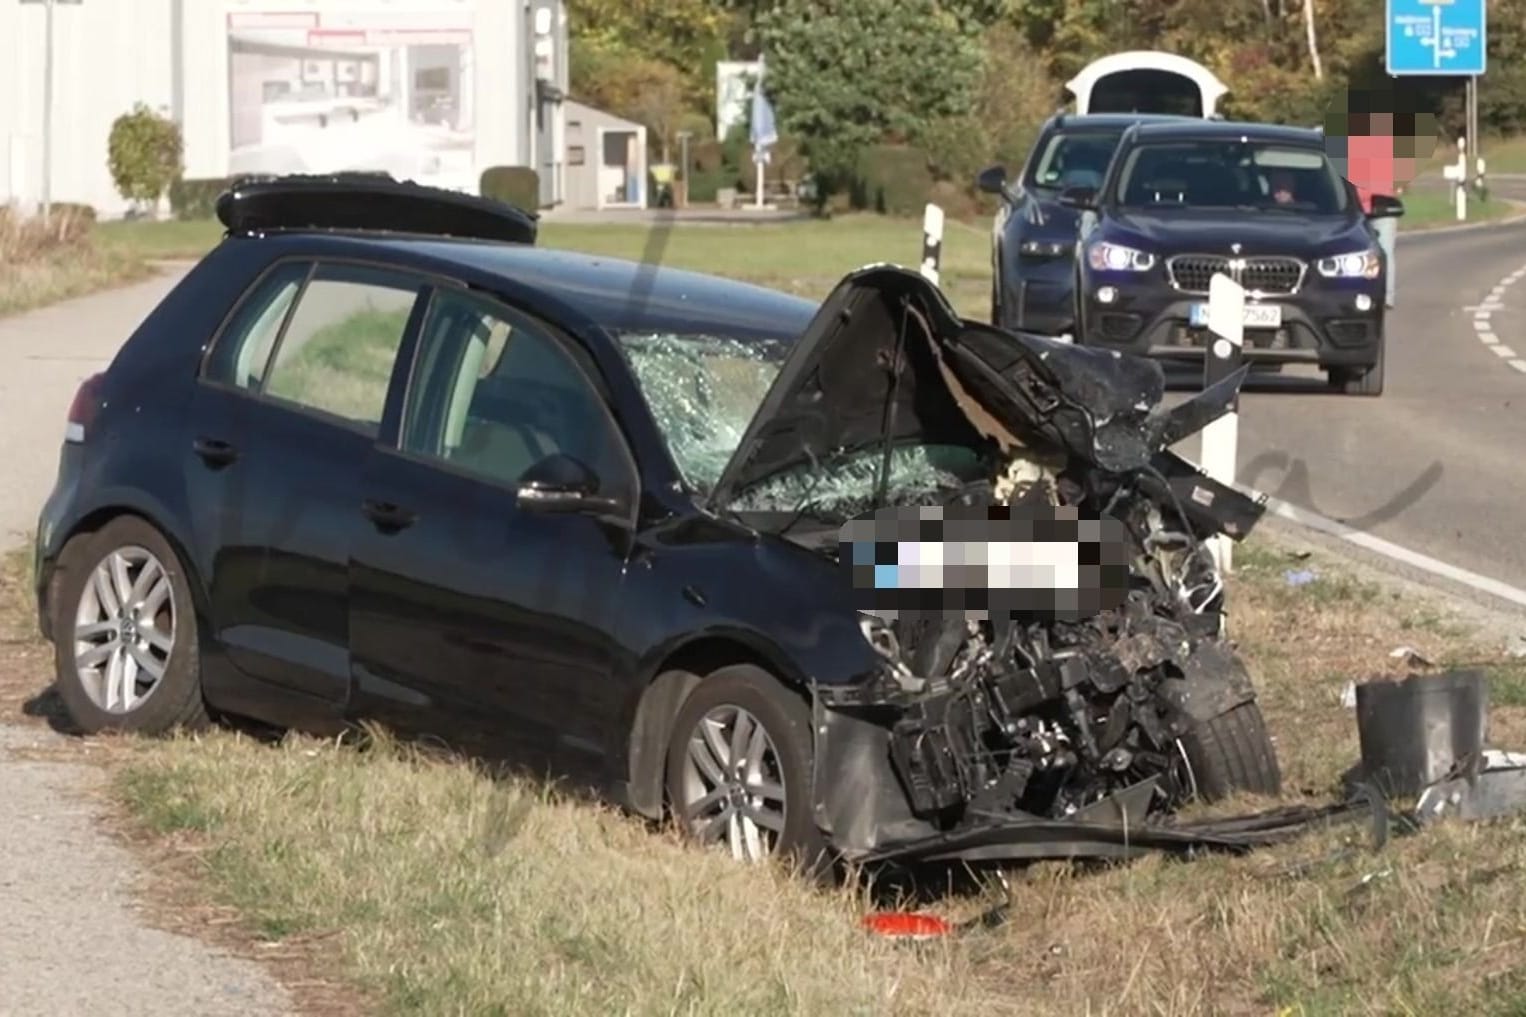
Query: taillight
point(87, 402)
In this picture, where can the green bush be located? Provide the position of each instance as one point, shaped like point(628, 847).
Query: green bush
point(893, 179)
point(703, 186)
point(516, 185)
point(196, 197)
point(144, 153)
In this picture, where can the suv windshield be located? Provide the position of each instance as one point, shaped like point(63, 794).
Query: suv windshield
point(703, 390)
point(1230, 173)
point(1073, 159)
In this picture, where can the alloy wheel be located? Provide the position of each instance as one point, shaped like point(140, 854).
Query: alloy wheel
point(733, 785)
point(124, 629)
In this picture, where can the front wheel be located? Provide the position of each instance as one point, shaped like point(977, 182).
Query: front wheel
point(1232, 753)
point(124, 633)
point(739, 770)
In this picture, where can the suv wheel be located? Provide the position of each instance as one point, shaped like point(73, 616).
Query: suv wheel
point(124, 633)
point(1360, 381)
point(739, 768)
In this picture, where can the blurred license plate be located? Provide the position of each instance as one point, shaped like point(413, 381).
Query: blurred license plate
point(1256, 315)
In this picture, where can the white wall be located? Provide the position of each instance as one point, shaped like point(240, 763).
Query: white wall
point(110, 53)
point(107, 54)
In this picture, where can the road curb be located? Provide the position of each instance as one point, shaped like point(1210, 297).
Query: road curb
point(1433, 231)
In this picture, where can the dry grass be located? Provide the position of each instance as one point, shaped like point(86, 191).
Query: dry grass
point(41, 262)
point(438, 890)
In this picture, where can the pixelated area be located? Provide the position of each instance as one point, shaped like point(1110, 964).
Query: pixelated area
point(1378, 138)
point(985, 561)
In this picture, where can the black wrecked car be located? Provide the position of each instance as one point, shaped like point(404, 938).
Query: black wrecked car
point(1185, 200)
point(588, 517)
point(1033, 236)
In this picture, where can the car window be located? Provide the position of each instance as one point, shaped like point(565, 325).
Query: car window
point(494, 392)
point(1077, 159)
point(241, 352)
point(1230, 173)
point(337, 352)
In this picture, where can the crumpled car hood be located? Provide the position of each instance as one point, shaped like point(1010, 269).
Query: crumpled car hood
point(887, 356)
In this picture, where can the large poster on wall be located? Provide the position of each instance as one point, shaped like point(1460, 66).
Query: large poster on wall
point(323, 92)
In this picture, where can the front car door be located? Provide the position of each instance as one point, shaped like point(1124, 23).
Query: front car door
point(475, 616)
point(291, 398)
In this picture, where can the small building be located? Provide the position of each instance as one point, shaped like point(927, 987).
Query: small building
point(606, 159)
point(430, 90)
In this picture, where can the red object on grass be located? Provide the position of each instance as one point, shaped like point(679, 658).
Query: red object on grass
point(906, 925)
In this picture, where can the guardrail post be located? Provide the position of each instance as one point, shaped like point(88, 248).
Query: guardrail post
point(932, 242)
point(1221, 439)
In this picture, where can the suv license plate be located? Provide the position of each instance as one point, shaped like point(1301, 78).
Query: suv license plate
point(1256, 316)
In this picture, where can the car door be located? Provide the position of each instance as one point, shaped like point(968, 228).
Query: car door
point(290, 401)
point(477, 614)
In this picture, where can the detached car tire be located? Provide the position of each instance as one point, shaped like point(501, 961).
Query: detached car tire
point(1233, 753)
point(124, 633)
point(739, 769)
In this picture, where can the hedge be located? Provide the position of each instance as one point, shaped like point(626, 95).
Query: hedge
point(196, 198)
point(515, 185)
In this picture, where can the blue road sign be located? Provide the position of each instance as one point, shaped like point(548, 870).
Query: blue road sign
point(1443, 37)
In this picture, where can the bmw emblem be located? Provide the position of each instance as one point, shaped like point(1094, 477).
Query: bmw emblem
point(1234, 248)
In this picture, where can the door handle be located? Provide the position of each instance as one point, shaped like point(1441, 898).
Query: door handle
point(214, 451)
point(389, 518)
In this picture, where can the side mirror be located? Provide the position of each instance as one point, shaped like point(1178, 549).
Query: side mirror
point(993, 180)
point(1084, 198)
point(1385, 206)
point(563, 484)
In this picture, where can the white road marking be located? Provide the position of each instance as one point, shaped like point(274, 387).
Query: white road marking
point(1378, 545)
point(1483, 325)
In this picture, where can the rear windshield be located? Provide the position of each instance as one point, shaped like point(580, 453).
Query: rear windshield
point(1073, 159)
point(1230, 173)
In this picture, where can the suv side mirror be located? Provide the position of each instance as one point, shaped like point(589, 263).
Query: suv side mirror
point(1385, 206)
point(993, 180)
point(1083, 198)
point(563, 484)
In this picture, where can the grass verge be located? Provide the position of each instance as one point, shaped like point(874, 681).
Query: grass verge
point(435, 889)
point(1432, 209)
point(806, 258)
point(41, 264)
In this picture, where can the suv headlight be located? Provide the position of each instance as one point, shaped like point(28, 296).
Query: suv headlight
point(1106, 257)
point(1356, 265)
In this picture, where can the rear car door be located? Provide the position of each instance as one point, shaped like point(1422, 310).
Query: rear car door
point(475, 615)
point(291, 399)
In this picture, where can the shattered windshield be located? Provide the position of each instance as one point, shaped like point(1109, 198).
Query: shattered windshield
point(703, 391)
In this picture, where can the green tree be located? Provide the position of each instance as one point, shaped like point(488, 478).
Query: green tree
point(689, 35)
point(846, 74)
point(144, 154)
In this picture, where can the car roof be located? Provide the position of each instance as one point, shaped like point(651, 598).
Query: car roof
point(617, 294)
point(1186, 129)
point(1085, 121)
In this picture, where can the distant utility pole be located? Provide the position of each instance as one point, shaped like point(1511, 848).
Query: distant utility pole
point(47, 104)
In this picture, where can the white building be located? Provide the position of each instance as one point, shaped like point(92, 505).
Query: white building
point(430, 90)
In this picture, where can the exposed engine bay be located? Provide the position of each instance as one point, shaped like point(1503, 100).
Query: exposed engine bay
point(1048, 716)
point(987, 721)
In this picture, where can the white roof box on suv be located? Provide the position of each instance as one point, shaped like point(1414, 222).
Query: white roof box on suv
point(1147, 81)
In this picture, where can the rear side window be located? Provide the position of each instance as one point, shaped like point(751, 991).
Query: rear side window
point(241, 353)
point(323, 339)
point(337, 351)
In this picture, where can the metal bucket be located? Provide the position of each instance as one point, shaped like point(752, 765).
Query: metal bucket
point(1415, 731)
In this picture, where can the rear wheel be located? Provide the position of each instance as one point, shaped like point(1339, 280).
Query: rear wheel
point(124, 634)
point(1232, 753)
point(739, 770)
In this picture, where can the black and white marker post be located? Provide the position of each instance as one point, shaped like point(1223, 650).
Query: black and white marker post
point(932, 242)
point(1221, 439)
